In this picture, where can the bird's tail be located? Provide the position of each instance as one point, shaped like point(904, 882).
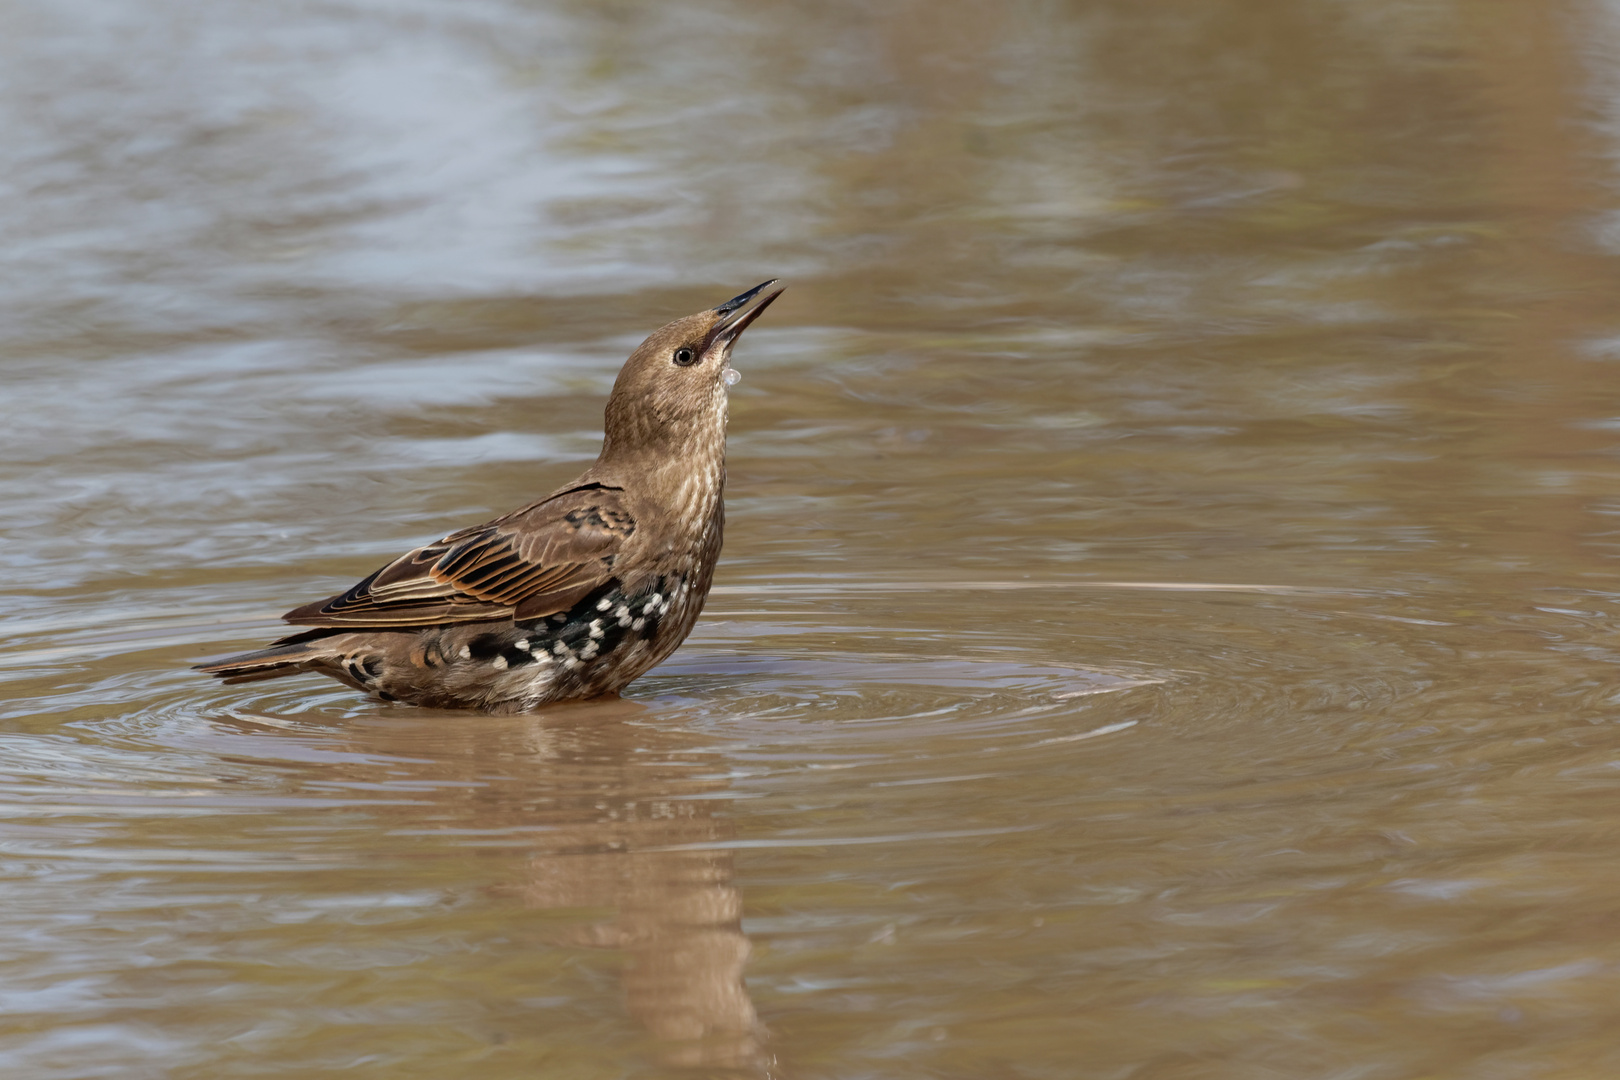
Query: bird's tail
point(272, 663)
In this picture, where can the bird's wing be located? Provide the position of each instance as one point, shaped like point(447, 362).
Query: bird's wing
point(533, 562)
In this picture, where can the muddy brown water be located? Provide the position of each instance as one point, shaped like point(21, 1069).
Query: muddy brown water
point(1167, 627)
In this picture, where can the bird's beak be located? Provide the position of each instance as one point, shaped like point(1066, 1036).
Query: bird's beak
point(736, 313)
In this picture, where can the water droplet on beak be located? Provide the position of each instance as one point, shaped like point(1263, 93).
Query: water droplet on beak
point(733, 376)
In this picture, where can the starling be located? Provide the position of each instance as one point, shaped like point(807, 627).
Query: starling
point(573, 596)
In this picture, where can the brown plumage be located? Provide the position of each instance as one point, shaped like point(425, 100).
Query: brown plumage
point(573, 596)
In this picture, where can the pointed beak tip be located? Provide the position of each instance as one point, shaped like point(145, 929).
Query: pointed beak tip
point(742, 299)
point(736, 313)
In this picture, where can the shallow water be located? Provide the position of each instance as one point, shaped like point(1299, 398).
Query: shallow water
point(1167, 623)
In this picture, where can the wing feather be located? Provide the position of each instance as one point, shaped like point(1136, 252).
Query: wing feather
point(528, 564)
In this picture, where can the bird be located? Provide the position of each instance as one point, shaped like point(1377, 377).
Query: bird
point(573, 596)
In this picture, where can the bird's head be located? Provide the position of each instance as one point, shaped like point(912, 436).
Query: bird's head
point(670, 397)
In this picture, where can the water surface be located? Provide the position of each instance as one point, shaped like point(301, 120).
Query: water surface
point(1167, 622)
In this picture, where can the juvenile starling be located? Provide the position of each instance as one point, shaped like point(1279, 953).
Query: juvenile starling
point(573, 596)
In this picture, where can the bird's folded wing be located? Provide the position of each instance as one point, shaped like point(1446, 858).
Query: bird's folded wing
point(531, 563)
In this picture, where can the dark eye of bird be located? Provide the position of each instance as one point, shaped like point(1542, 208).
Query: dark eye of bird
point(685, 357)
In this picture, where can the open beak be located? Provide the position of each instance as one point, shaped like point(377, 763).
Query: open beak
point(736, 313)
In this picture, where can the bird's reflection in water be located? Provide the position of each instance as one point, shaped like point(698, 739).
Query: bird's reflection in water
point(615, 809)
point(643, 807)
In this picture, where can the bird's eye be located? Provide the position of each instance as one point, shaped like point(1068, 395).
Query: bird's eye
point(685, 357)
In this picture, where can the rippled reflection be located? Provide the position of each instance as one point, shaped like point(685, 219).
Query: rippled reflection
point(603, 811)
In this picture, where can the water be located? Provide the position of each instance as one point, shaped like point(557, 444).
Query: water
point(1167, 623)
